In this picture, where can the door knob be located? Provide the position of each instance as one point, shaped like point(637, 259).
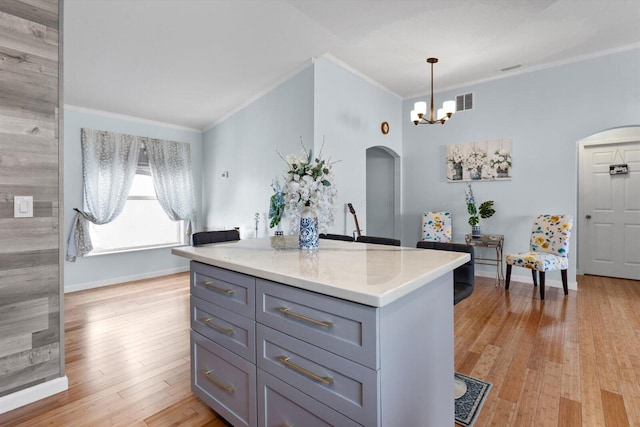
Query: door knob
point(588, 216)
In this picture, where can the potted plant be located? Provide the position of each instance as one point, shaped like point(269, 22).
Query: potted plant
point(485, 210)
point(474, 161)
point(454, 160)
point(309, 195)
point(501, 162)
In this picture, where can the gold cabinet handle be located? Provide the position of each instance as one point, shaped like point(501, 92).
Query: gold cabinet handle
point(324, 380)
point(208, 322)
point(209, 284)
point(288, 312)
point(217, 382)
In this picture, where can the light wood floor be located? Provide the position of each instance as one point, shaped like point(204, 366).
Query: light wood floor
point(563, 362)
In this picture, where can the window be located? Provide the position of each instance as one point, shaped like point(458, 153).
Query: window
point(143, 224)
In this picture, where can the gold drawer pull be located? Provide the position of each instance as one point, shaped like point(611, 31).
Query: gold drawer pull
point(324, 380)
point(287, 312)
point(217, 382)
point(209, 284)
point(218, 328)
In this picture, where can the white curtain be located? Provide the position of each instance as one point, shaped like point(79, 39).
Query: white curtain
point(109, 162)
point(170, 164)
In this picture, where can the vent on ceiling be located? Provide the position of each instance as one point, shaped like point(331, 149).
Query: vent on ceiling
point(464, 102)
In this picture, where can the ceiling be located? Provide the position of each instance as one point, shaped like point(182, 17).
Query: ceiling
point(194, 62)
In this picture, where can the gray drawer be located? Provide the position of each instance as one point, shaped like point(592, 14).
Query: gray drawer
point(346, 386)
point(279, 405)
point(342, 327)
point(225, 381)
point(233, 331)
point(231, 290)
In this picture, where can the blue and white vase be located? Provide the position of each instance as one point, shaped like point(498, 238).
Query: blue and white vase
point(308, 238)
point(476, 231)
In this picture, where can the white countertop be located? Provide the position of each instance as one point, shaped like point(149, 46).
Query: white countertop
point(369, 274)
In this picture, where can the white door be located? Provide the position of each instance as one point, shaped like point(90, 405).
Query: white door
point(609, 204)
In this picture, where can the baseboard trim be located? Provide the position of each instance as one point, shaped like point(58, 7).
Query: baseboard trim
point(528, 279)
point(29, 395)
point(122, 279)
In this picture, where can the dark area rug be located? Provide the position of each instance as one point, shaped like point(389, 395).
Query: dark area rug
point(469, 404)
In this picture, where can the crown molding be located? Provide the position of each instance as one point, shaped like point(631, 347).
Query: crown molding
point(359, 74)
point(119, 116)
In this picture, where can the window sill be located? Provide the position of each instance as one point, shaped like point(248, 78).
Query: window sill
point(136, 249)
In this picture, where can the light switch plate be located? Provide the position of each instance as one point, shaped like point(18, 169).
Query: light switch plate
point(23, 206)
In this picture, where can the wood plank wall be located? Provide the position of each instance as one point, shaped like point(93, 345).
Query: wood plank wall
point(30, 152)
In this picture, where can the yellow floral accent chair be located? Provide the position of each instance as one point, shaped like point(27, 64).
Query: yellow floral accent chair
point(436, 226)
point(548, 250)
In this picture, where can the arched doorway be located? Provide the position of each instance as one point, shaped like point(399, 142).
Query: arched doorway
point(383, 192)
point(609, 203)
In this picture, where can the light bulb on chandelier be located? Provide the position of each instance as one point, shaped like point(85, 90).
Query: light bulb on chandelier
point(419, 112)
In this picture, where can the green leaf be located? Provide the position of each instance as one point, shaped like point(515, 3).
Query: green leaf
point(326, 183)
point(486, 209)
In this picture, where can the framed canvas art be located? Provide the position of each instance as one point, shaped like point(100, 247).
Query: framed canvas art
point(479, 161)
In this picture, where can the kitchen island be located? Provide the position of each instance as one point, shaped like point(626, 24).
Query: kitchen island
point(351, 334)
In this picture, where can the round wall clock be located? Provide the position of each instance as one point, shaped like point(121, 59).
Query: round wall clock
point(384, 127)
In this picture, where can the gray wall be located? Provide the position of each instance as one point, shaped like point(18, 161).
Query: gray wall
point(31, 351)
point(348, 113)
point(324, 102)
point(100, 270)
point(544, 113)
point(247, 145)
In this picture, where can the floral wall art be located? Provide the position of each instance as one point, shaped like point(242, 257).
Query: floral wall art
point(476, 161)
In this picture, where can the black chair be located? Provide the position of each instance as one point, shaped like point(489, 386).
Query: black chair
point(205, 237)
point(378, 240)
point(463, 276)
point(336, 237)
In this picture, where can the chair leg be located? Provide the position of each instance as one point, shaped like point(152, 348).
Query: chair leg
point(542, 285)
point(565, 286)
point(534, 273)
point(508, 279)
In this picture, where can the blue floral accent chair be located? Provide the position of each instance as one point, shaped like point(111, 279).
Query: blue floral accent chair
point(548, 250)
point(436, 226)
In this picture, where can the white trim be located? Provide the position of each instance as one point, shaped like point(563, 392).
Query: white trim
point(32, 394)
point(119, 116)
point(260, 94)
point(359, 74)
point(526, 69)
point(618, 135)
point(528, 279)
point(122, 279)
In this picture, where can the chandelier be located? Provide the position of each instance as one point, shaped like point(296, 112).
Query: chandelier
point(418, 114)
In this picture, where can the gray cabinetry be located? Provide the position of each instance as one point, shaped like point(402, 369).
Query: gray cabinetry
point(223, 371)
point(315, 360)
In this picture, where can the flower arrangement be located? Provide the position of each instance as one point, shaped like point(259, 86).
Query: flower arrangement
point(276, 204)
point(484, 211)
point(501, 159)
point(455, 156)
point(309, 182)
point(475, 160)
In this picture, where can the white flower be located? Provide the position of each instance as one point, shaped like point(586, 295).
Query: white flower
point(475, 159)
point(309, 180)
point(455, 156)
point(501, 159)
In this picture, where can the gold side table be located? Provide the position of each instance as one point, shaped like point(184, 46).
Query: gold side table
point(495, 241)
